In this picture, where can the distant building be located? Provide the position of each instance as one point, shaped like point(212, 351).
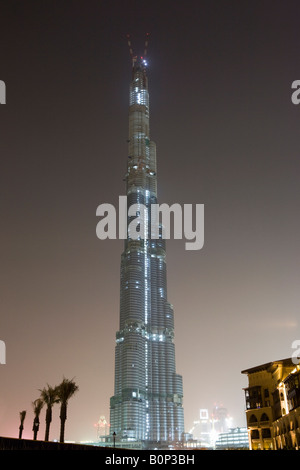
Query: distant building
point(202, 429)
point(207, 429)
point(273, 405)
point(102, 427)
point(220, 419)
point(235, 438)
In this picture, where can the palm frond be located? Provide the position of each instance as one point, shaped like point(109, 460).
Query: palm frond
point(67, 389)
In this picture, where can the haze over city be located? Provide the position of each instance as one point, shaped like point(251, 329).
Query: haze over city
point(227, 136)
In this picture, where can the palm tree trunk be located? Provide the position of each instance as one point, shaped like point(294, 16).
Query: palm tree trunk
point(36, 425)
point(63, 417)
point(48, 422)
point(21, 431)
point(22, 418)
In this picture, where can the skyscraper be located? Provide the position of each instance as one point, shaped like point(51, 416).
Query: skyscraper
point(147, 401)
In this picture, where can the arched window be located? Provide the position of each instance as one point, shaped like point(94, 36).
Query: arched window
point(264, 417)
point(252, 419)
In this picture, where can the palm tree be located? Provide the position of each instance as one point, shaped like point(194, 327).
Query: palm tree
point(37, 407)
point(22, 419)
point(65, 391)
point(49, 396)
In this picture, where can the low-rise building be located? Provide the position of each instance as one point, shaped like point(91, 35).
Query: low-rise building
point(273, 405)
point(234, 439)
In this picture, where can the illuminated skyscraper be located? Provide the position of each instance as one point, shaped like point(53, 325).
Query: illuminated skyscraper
point(147, 401)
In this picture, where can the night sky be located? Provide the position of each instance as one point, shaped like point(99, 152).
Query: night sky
point(227, 136)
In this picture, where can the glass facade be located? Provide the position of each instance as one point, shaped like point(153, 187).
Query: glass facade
point(236, 438)
point(147, 402)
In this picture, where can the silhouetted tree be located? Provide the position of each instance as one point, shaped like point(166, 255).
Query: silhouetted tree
point(49, 396)
point(22, 419)
point(65, 391)
point(37, 407)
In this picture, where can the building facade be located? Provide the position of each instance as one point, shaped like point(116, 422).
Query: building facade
point(147, 402)
point(273, 405)
point(234, 439)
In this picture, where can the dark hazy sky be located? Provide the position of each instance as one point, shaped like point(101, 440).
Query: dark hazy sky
point(227, 136)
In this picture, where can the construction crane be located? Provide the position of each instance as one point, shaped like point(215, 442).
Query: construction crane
point(134, 57)
point(146, 45)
